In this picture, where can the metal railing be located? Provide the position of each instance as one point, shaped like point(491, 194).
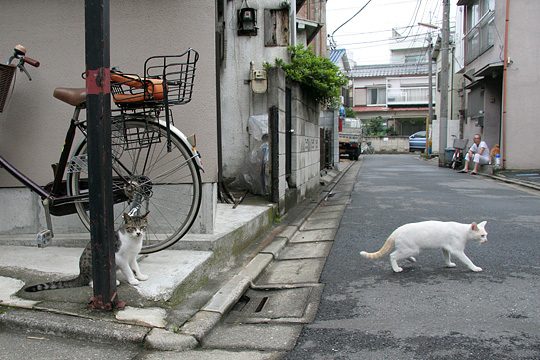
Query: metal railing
point(408, 96)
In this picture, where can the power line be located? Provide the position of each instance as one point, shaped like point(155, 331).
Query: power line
point(417, 9)
point(332, 42)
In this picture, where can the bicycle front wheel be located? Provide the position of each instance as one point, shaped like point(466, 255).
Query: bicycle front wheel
point(146, 178)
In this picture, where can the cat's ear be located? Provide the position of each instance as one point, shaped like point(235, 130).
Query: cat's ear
point(474, 226)
point(482, 224)
point(127, 217)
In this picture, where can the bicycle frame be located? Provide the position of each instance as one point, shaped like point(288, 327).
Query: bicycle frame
point(130, 185)
point(55, 196)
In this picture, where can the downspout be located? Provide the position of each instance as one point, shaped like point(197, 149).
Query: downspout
point(452, 69)
point(505, 72)
point(292, 24)
point(223, 193)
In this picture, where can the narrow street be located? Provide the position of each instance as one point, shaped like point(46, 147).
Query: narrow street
point(366, 311)
point(429, 311)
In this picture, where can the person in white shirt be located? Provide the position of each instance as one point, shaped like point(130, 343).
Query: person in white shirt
point(478, 153)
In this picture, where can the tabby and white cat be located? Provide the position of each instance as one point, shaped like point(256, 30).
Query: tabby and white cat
point(128, 244)
point(451, 237)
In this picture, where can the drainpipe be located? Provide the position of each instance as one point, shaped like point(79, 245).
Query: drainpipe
point(452, 72)
point(217, 64)
point(505, 72)
point(292, 25)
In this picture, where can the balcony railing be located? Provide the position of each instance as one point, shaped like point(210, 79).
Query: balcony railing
point(408, 96)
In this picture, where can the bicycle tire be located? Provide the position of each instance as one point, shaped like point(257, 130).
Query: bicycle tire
point(168, 182)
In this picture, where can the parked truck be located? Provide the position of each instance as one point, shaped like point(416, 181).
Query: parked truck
point(350, 138)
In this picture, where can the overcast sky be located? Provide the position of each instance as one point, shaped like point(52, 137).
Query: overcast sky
point(366, 36)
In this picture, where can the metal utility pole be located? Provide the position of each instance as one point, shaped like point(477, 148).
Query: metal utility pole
point(445, 43)
point(430, 95)
point(98, 112)
point(430, 81)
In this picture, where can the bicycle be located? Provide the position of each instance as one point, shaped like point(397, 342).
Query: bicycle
point(366, 148)
point(458, 146)
point(156, 168)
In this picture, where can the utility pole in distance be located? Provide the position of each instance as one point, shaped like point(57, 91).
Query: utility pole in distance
point(445, 43)
point(430, 80)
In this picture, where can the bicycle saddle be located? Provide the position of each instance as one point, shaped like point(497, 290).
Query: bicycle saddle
point(72, 96)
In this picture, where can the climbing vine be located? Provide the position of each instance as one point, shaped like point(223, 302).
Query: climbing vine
point(317, 75)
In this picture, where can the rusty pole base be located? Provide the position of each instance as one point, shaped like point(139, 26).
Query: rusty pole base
point(96, 303)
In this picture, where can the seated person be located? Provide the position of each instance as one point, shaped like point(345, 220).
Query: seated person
point(478, 153)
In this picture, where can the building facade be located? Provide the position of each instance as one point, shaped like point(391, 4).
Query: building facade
point(397, 93)
point(496, 49)
point(234, 41)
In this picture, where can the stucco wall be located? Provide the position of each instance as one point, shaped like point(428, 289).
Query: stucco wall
point(238, 101)
point(33, 126)
point(522, 127)
point(53, 32)
point(523, 77)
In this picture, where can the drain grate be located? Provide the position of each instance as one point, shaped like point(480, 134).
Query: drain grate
point(293, 305)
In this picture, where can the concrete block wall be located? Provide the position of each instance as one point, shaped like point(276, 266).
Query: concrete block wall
point(276, 97)
point(392, 144)
point(305, 141)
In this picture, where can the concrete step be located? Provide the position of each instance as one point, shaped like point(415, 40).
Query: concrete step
point(174, 274)
point(232, 226)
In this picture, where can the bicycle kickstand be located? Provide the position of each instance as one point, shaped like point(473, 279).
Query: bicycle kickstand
point(44, 237)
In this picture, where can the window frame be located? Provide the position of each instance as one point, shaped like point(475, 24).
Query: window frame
point(479, 36)
point(381, 96)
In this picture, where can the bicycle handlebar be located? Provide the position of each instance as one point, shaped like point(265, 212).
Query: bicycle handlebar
point(30, 61)
point(19, 54)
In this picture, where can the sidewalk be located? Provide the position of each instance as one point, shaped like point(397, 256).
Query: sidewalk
point(190, 286)
point(526, 178)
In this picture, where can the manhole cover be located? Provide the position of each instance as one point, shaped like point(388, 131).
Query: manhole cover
point(295, 305)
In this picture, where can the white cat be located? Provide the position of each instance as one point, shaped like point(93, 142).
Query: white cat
point(451, 237)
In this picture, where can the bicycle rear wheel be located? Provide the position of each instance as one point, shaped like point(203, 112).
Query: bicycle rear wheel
point(146, 178)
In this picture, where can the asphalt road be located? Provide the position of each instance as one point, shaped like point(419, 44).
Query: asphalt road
point(429, 311)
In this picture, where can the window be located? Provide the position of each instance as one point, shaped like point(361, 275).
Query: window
point(376, 96)
point(276, 27)
point(480, 25)
point(413, 59)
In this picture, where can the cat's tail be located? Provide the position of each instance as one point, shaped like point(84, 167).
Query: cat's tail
point(388, 245)
point(62, 284)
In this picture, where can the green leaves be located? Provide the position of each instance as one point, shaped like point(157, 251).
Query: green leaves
point(317, 75)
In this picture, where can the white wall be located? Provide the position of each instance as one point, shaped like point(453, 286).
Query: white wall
point(53, 32)
point(453, 132)
point(238, 101)
point(32, 128)
point(523, 77)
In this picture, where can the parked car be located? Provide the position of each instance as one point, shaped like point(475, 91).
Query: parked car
point(417, 141)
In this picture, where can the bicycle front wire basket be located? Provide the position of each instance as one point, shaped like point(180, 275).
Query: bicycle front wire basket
point(6, 76)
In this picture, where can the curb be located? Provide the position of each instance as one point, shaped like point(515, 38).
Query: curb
point(514, 182)
point(73, 326)
point(205, 319)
